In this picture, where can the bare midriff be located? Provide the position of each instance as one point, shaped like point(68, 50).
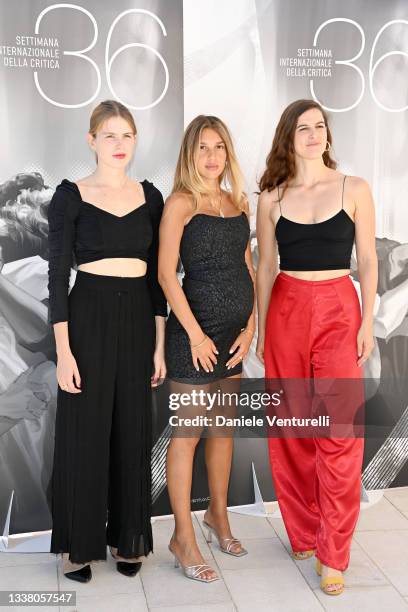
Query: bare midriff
point(116, 266)
point(316, 275)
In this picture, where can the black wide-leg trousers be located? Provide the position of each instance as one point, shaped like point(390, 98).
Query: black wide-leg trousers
point(101, 477)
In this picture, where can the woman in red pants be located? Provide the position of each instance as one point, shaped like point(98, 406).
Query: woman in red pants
point(311, 325)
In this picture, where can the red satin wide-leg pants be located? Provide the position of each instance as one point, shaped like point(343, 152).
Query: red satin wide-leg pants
point(311, 332)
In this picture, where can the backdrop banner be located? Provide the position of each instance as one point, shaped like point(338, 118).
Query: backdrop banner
point(169, 61)
point(57, 62)
point(246, 66)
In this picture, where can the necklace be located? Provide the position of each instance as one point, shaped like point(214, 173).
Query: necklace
point(218, 208)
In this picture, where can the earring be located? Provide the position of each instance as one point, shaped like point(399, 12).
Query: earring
point(328, 146)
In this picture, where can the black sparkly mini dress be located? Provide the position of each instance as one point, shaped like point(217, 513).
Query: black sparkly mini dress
point(219, 290)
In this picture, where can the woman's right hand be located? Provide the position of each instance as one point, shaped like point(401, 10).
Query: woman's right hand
point(204, 354)
point(260, 348)
point(67, 373)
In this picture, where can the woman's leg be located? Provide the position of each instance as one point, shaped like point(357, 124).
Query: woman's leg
point(293, 460)
point(81, 457)
point(218, 456)
point(339, 386)
point(129, 532)
point(179, 472)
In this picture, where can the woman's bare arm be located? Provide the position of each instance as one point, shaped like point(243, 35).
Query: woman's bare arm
point(267, 262)
point(367, 264)
point(250, 326)
point(177, 209)
point(244, 339)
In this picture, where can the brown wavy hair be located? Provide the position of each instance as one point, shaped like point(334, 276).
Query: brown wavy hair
point(280, 163)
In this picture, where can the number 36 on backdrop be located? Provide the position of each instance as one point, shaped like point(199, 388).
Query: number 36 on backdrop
point(108, 61)
point(372, 67)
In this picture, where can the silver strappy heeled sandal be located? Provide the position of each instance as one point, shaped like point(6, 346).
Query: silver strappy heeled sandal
point(226, 544)
point(194, 571)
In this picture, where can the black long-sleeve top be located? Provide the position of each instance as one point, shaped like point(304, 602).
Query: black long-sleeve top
point(82, 231)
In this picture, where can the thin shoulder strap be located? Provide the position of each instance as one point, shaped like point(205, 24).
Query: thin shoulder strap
point(279, 201)
point(342, 193)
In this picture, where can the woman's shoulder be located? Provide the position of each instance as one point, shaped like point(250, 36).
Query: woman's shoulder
point(351, 183)
point(269, 199)
point(149, 187)
point(153, 199)
point(153, 195)
point(67, 187)
point(179, 202)
point(357, 190)
point(241, 203)
point(356, 183)
point(183, 197)
point(66, 198)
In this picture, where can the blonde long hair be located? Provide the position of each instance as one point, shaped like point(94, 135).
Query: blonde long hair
point(187, 178)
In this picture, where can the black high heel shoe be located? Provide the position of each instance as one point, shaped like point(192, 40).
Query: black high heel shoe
point(82, 575)
point(126, 568)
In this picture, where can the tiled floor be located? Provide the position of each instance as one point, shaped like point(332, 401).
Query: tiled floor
point(267, 579)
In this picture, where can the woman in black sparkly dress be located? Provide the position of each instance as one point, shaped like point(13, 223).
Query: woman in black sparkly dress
point(211, 324)
point(219, 290)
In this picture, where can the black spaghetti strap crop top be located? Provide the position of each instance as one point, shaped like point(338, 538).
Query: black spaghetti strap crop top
point(315, 246)
point(81, 232)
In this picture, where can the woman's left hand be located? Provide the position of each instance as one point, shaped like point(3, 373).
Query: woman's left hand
point(160, 370)
point(365, 343)
point(242, 343)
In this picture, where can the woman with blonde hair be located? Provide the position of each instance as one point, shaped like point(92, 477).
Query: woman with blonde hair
point(211, 324)
point(109, 337)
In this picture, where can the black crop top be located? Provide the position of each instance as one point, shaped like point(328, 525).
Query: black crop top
point(83, 232)
point(315, 246)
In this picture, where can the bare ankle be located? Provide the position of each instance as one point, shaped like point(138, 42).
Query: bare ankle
point(185, 541)
point(69, 566)
point(217, 511)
